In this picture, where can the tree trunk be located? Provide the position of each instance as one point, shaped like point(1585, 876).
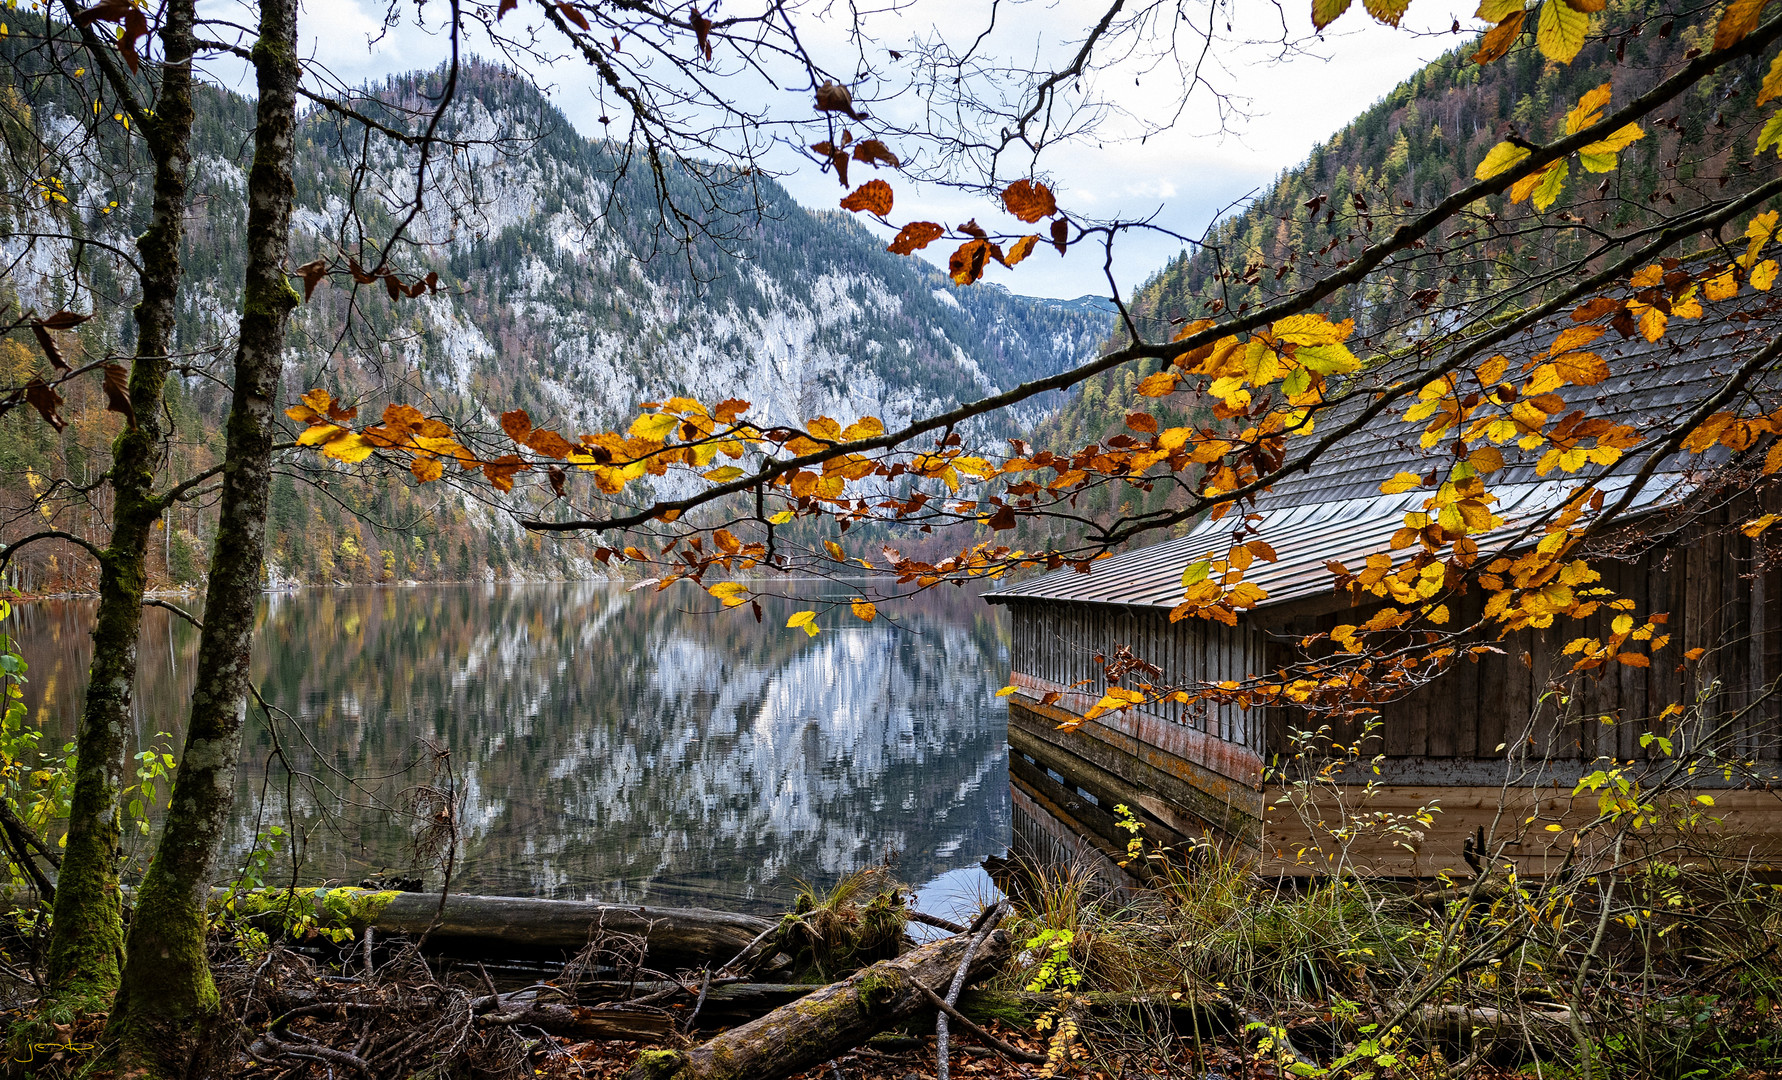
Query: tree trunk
point(86, 942)
point(167, 1006)
point(675, 937)
point(828, 1021)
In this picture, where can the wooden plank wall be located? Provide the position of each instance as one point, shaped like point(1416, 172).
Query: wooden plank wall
point(1058, 644)
point(1721, 590)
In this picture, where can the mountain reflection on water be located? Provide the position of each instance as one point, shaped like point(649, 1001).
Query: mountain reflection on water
point(626, 746)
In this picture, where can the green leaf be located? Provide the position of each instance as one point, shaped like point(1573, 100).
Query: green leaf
point(1324, 12)
point(1327, 359)
point(1196, 572)
point(1552, 183)
point(1771, 135)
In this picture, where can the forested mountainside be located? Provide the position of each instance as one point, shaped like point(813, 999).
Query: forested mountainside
point(560, 292)
point(1415, 147)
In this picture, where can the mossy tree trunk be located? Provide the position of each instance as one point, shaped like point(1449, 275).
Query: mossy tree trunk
point(86, 945)
point(166, 1008)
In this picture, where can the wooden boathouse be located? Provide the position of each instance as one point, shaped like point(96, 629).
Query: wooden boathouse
point(1514, 730)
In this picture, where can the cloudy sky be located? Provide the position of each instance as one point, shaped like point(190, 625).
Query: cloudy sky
point(1183, 179)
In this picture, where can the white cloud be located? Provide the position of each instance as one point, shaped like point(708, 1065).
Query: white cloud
point(1271, 108)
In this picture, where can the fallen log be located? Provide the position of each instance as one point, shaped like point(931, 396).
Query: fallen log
point(826, 1022)
point(581, 1022)
point(676, 937)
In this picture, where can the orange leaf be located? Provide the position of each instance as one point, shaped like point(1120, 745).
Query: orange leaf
point(1029, 200)
point(1740, 19)
point(517, 424)
point(426, 469)
point(1020, 250)
point(874, 197)
point(1499, 39)
point(967, 264)
point(915, 236)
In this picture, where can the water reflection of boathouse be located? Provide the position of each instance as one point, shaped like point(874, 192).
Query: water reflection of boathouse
point(1517, 728)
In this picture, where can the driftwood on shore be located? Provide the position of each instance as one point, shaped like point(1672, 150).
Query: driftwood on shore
point(828, 1021)
point(673, 936)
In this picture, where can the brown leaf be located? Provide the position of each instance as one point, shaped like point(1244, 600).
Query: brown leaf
point(1060, 234)
point(967, 263)
point(312, 273)
point(64, 320)
point(393, 286)
point(837, 157)
point(426, 469)
point(432, 280)
point(501, 471)
point(1029, 200)
point(1004, 518)
point(1020, 250)
point(1588, 7)
point(108, 11)
point(834, 97)
point(702, 28)
point(359, 273)
point(117, 392)
point(550, 444)
point(874, 197)
point(875, 153)
point(506, 6)
point(576, 17)
point(915, 236)
point(557, 475)
point(47, 342)
point(518, 424)
point(46, 401)
point(972, 228)
point(1594, 309)
point(136, 28)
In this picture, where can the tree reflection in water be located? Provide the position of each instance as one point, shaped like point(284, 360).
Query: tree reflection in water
point(611, 744)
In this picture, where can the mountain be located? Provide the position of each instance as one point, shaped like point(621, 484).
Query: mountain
point(561, 292)
point(1413, 148)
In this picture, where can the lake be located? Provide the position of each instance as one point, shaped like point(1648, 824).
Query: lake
point(631, 746)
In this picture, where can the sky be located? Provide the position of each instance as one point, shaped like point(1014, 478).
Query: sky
point(1277, 109)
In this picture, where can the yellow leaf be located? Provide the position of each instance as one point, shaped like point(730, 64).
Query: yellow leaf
point(1006, 691)
point(723, 474)
point(1617, 141)
point(835, 551)
point(1503, 156)
point(1652, 323)
point(1588, 111)
point(1560, 32)
point(319, 433)
point(1019, 250)
point(1496, 11)
point(1772, 82)
point(1311, 330)
point(426, 469)
point(1721, 287)
point(1158, 385)
point(782, 517)
point(1401, 483)
point(1388, 12)
point(810, 629)
point(801, 618)
point(1740, 19)
point(724, 590)
point(351, 448)
point(654, 426)
point(1763, 275)
point(1771, 135)
point(866, 611)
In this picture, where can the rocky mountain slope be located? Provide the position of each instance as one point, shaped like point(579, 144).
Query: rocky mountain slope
point(560, 292)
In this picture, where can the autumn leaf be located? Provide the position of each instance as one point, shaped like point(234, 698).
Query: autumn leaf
point(732, 593)
point(834, 97)
point(874, 197)
point(835, 551)
point(312, 273)
point(117, 392)
point(517, 424)
point(1740, 19)
point(1159, 384)
point(1494, 11)
point(1552, 183)
point(1503, 157)
point(1388, 12)
point(1029, 200)
point(864, 609)
point(43, 397)
point(1772, 82)
point(875, 153)
point(1060, 234)
point(1560, 31)
point(723, 474)
point(656, 427)
point(1325, 12)
point(500, 472)
point(1020, 249)
point(426, 469)
point(966, 265)
point(1497, 41)
point(702, 31)
point(45, 341)
point(804, 620)
point(915, 236)
point(1400, 483)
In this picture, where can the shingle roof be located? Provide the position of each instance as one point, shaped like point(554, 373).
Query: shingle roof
point(1335, 510)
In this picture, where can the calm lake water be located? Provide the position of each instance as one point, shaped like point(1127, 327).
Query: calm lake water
point(608, 744)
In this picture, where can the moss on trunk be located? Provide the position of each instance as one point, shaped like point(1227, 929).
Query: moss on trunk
point(166, 1011)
